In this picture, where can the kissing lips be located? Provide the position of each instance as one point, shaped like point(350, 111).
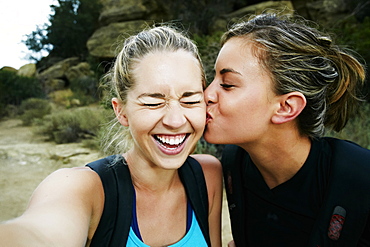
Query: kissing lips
point(171, 144)
point(208, 117)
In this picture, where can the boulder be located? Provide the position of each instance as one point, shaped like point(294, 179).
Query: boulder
point(127, 10)
point(27, 70)
point(61, 97)
point(54, 77)
point(54, 84)
point(58, 70)
point(104, 42)
point(78, 71)
point(282, 7)
point(328, 12)
point(336, 6)
point(10, 69)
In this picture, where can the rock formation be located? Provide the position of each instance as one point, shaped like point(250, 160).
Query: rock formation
point(121, 18)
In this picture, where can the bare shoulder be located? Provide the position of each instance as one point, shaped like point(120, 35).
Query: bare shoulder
point(65, 208)
point(212, 172)
point(77, 189)
point(209, 163)
point(75, 175)
point(68, 180)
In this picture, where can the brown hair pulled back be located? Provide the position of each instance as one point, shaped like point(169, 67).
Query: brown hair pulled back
point(303, 59)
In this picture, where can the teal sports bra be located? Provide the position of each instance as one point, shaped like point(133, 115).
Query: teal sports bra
point(193, 237)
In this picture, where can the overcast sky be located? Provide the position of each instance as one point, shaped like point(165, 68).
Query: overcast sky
point(18, 18)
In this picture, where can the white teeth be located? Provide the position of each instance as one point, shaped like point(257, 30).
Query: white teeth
point(172, 140)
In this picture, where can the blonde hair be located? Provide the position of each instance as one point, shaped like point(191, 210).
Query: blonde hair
point(301, 58)
point(120, 79)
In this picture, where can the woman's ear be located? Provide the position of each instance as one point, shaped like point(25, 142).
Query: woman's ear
point(119, 111)
point(290, 106)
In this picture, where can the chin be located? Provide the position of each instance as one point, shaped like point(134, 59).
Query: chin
point(172, 165)
point(217, 138)
point(210, 138)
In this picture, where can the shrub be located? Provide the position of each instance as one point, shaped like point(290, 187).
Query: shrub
point(357, 128)
point(62, 97)
point(86, 85)
point(81, 92)
point(3, 111)
point(8, 110)
point(32, 109)
point(67, 98)
point(204, 147)
point(72, 125)
point(209, 46)
point(14, 89)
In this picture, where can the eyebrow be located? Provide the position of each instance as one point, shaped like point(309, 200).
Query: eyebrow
point(153, 95)
point(188, 94)
point(224, 71)
point(162, 96)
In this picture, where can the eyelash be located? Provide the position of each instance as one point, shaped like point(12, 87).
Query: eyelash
point(153, 105)
point(186, 103)
point(191, 102)
point(226, 86)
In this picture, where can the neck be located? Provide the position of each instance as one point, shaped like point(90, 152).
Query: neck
point(280, 159)
point(153, 179)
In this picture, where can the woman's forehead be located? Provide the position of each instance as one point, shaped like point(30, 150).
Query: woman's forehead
point(168, 69)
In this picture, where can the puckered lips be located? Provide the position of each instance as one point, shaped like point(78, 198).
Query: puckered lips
point(208, 117)
point(171, 144)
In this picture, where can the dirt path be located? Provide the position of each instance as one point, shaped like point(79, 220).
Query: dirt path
point(26, 159)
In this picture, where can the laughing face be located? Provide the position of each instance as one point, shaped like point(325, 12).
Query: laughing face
point(165, 110)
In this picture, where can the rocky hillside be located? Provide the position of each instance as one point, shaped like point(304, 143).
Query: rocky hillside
point(120, 18)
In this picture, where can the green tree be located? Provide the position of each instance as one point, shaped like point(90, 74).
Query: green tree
point(14, 89)
point(36, 41)
point(71, 24)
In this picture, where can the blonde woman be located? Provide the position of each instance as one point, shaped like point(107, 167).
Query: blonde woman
point(154, 194)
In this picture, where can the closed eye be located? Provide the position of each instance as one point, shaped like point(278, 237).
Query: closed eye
point(153, 105)
point(191, 102)
point(226, 86)
point(191, 98)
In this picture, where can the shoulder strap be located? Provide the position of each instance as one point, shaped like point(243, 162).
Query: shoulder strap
point(349, 188)
point(114, 225)
point(233, 166)
point(191, 175)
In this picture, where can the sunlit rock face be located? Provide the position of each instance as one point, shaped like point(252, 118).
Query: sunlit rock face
point(27, 70)
point(103, 43)
point(121, 18)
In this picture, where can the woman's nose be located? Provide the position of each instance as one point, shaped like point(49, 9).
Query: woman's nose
point(210, 95)
point(174, 118)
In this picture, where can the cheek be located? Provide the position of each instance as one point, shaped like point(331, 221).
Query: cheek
point(230, 106)
point(235, 105)
point(197, 118)
point(140, 122)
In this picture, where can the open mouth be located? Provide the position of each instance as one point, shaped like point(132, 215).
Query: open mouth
point(171, 141)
